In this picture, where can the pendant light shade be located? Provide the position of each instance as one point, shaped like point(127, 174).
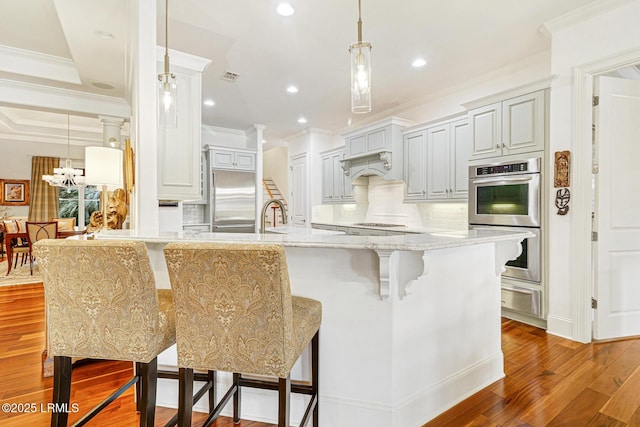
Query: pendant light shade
point(360, 72)
point(167, 90)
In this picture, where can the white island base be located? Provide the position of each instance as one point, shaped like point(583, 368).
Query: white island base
point(409, 328)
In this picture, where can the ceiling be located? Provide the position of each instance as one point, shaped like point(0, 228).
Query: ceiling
point(459, 39)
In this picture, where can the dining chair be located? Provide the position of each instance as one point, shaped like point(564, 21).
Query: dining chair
point(19, 246)
point(65, 224)
point(38, 231)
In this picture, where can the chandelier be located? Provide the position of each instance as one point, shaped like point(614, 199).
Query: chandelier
point(66, 177)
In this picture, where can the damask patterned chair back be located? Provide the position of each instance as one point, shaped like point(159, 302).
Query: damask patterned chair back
point(102, 303)
point(235, 313)
point(233, 307)
point(102, 300)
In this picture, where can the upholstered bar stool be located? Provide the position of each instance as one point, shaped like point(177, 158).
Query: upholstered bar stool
point(235, 313)
point(103, 304)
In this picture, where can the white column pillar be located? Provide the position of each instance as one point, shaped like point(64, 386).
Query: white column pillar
point(111, 131)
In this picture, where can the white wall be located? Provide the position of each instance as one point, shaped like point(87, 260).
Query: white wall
point(15, 162)
point(578, 40)
point(276, 166)
point(224, 137)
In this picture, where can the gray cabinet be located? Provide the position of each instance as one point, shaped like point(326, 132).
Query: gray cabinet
point(376, 149)
point(435, 161)
point(514, 126)
point(336, 186)
point(228, 158)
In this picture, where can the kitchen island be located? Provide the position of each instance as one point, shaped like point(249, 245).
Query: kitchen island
point(411, 323)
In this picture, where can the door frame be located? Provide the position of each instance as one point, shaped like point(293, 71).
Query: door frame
point(581, 260)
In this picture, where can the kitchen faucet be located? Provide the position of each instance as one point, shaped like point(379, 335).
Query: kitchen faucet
point(283, 210)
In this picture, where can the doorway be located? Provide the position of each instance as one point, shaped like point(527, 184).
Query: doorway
point(616, 201)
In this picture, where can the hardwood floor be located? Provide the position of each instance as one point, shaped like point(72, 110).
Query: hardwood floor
point(550, 381)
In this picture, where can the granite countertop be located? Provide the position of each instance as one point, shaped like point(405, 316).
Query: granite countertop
point(289, 229)
point(406, 242)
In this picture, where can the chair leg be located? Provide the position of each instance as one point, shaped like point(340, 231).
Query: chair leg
point(185, 397)
point(213, 377)
point(236, 399)
point(31, 263)
point(149, 383)
point(138, 387)
point(284, 391)
point(315, 375)
point(61, 389)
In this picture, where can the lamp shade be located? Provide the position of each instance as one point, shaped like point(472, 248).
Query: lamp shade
point(103, 166)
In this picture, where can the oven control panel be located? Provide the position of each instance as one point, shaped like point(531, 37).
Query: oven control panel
point(522, 167)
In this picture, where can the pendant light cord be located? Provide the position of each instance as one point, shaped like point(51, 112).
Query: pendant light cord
point(68, 133)
point(359, 21)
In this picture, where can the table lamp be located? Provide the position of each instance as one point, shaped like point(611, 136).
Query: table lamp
point(103, 167)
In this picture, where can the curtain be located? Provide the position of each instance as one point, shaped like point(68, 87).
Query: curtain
point(44, 203)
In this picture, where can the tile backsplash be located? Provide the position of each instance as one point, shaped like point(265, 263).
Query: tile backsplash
point(193, 214)
point(381, 201)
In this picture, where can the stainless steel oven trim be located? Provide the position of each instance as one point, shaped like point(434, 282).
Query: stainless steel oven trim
point(533, 272)
point(533, 166)
point(530, 220)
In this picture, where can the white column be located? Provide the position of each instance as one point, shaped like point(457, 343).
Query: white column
point(259, 129)
point(111, 131)
point(141, 92)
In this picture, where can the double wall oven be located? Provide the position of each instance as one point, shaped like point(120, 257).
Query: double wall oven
point(507, 195)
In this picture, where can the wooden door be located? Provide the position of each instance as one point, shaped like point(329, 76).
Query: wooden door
point(617, 216)
point(299, 191)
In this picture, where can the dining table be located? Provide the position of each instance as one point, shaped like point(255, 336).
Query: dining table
point(8, 237)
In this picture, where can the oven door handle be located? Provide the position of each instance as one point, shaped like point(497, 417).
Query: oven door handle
point(503, 179)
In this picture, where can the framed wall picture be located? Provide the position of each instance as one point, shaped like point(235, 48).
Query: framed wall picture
point(15, 192)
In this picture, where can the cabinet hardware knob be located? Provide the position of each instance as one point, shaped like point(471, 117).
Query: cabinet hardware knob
point(503, 145)
point(498, 146)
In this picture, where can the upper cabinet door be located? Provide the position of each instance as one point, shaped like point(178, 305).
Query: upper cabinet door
point(524, 123)
point(245, 161)
point(460, 154)
point(415, 168)
point(222, 159)
point(438, 162)
point(486, 131)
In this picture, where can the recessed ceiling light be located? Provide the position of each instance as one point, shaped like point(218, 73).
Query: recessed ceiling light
point(302, 120)
point(292, 89)
point(209, 102)
point(285, 9)
point(419, 62)
point(264, 141)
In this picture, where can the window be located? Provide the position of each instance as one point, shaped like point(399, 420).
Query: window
point(71, 199)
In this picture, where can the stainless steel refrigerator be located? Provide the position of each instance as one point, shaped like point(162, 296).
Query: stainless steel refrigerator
point(232, 201)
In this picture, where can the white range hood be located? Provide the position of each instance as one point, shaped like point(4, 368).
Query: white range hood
point(376, 149)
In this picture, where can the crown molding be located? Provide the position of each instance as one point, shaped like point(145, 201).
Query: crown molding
point(581, 14)
point(183, 60)
point(55, 99)
point(36, 64)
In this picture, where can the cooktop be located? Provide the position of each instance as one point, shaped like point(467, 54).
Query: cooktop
point(378, 224)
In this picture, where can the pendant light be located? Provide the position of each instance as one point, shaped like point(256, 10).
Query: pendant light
point(167, 90)
point(360, 72)
point(66, 177)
